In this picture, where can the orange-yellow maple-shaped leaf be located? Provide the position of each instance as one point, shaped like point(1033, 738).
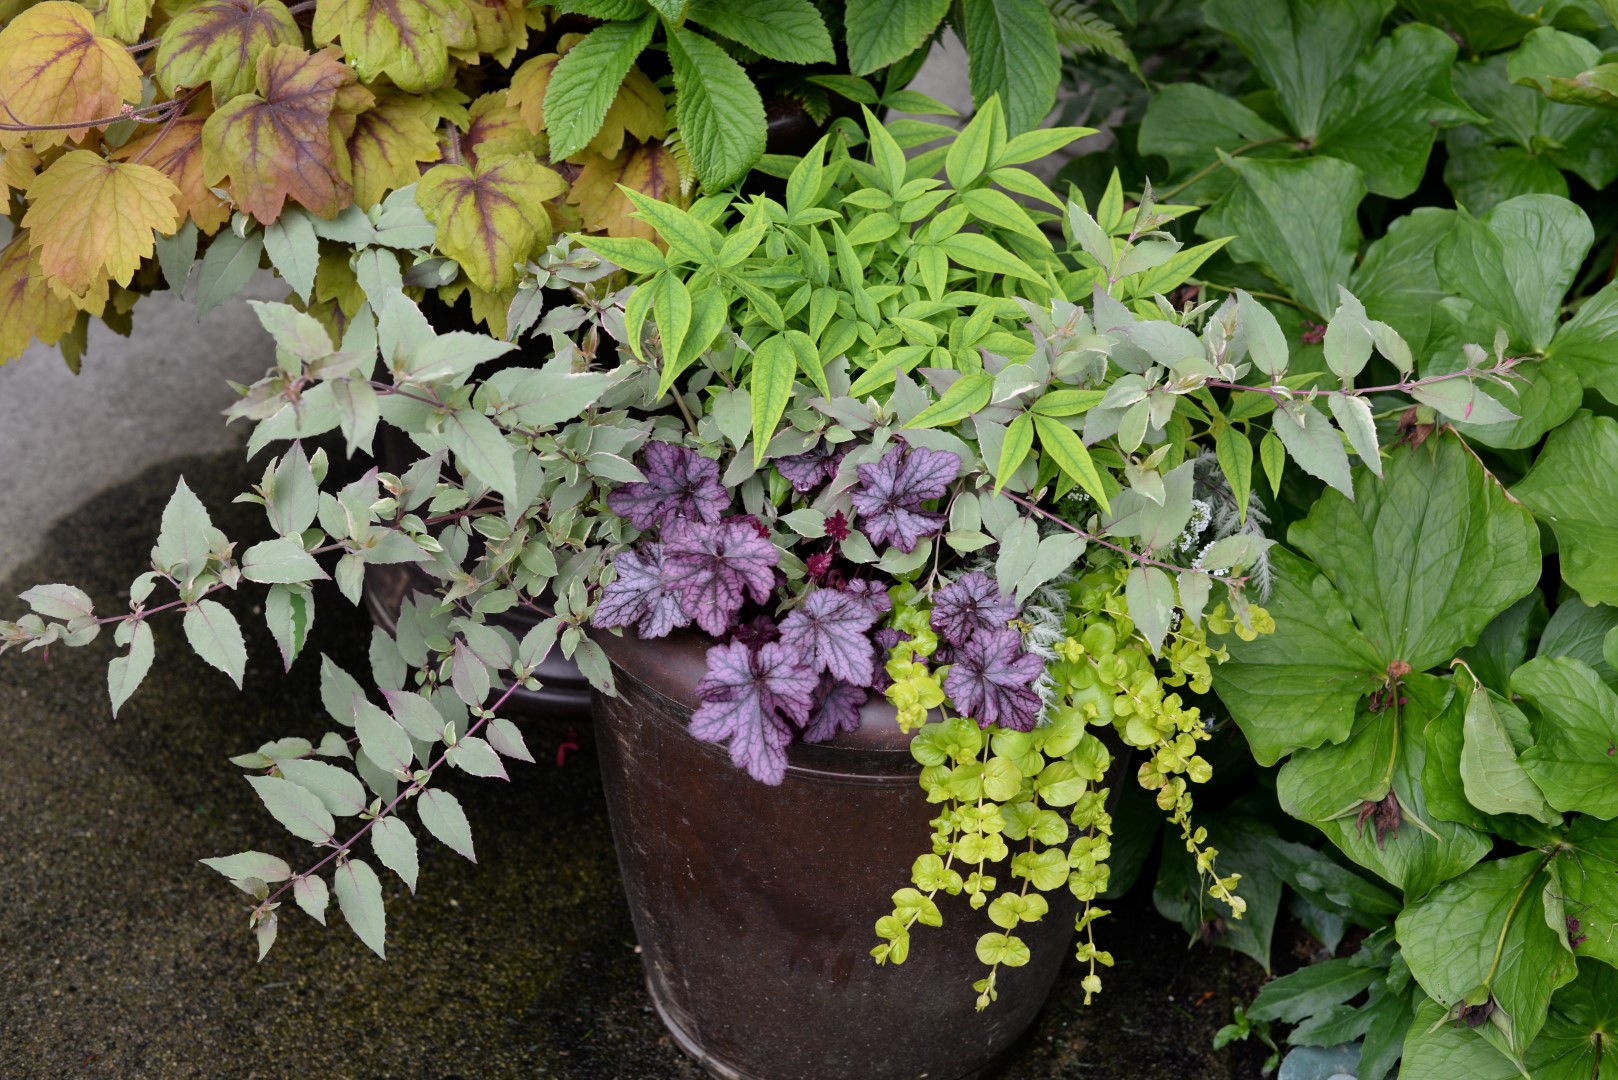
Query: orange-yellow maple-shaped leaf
point(219, 42)
point(408, 40)
point(490, 217)
point(28, 308)
point(501, 28)
point(638, 110)
point(646, 167)
point(55, 69)
point(386, 145)
point(530, 81)
point(17, 167)
point(90, 219)
point(277, 144)
point(175, 150)
point(496, 129)
point(488, 308)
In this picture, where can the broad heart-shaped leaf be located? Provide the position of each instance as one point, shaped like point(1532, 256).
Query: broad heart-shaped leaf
point(1588, 342)
point(1517, 262)
point(1572, 759)
point(55, 69)
point(1296, 220)
point(585, 81)
point(218, 42)
point(1488, 931)
point(1573, 488)
point(407, 40)
point(1428, 555)
point(1331, 785)
point(490, 218)
point(175, 150)
point(388, 141)
point(29, 308)
point(1187, 124)
point(359, 896)
point(278, 144)
point(1305, 693)
point(1385, 116)
point(1302, 49)
point(721, 114)
point(1012, 54)
point(126, 201)
point(882, 31)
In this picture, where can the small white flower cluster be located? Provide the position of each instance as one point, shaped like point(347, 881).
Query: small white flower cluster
point(1201, 515)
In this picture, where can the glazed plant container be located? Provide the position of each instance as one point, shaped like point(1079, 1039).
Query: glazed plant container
point(752, 903)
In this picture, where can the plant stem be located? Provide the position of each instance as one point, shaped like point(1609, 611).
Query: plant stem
point(1219, 163)
point(1144, 560)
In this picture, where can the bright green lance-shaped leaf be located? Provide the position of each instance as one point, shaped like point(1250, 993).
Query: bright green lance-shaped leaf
point(789, 30)
point(124, 673)
point(1573, 488)
point(395, 847)
point(1303, 49)
point(882, 31)
point(774, 367)
point(1063, 446)
point(1588, 343)
point(490, 217)
point(1517, 261)
point(442, 814)
point(585, 82)
point(1427, 556)
point(721, 115)
point(1012, 53)
point(359, 897)
point(1380, 765)
point(216, 637)
point(1385, 115)
point(1304, 694)
point(1543, 396)
point(297, 808)
point(964, 398)
point(1296, 220)
point(1485, 934)
point(1572, 759)
point(1187, 124)
point(1494, 780)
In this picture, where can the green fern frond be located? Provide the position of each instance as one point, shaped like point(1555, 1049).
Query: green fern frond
point(1080, 30)
point(674, 143)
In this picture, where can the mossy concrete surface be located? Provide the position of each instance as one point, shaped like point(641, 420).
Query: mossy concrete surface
point(120, 956)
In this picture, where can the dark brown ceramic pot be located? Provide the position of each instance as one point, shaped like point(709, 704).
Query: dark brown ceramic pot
point(755, 905)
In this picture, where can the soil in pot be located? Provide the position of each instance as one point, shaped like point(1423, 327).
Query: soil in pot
point(754, 905)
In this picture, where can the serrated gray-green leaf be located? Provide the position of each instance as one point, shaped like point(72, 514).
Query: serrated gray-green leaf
point(280, 562)
point(586, 80)
point(481, 449)
point(176, 255)
point(1573, 488)
point(359, 897)
point(289, 613)
point(311, 895)
point(216, 637)
point(383, 740)
point(1494, 780)
point(246, 864)
point(720, 113)
point(184, 537)
point(1426, 556)
point(395, 847)
point(1572, 760)
point(880, 32)
point(789, 30)
point(124, 673)
point(414, 713)
point(294, 251)
point(296, 808)
point(1012, 53)
point(337, 789)
point(475, 756)
point(442, 814)
point(337, 691)
point(227, 266)
point(1149, 594)
point(506, 738)
point(1313, 444)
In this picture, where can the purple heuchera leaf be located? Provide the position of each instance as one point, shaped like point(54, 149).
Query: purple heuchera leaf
point(680, 483)
point(871, 594)
point(992, 680)
point(810, 469)
point(755, 700)
point(837, 709)
point(829, 633)
point(712, 568)
point(891, 491)
point(639, 597)
point(968, 605)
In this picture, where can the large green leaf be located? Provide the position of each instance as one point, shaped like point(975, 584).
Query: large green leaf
point(1488, 932)
point(1579, 630)
point(1482, 174)
point(1397, 281)
point(789, 30)
point(1503, 645)
point(1581, 140)
point(1187, 124)
point(1588, 342)
point(1484, 25)
point(1296, 220)
point(585, 82)
point(1517, 261)
point(1425, 557)
point(1386, 114)
point(1572, 759)
point(1011, 53)
point(1302, 48)
point(720, 113)
point(1304, 693)
point(882, 31)
point(1331, 786)
point(1573, 488)
point(1589, 879)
